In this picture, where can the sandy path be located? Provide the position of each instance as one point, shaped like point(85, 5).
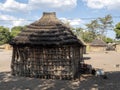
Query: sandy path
point(106, 61)
point(5, 59)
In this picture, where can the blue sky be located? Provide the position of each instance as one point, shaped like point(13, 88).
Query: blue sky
point(23, 12)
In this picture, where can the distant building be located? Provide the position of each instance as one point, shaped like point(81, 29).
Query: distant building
point(98, 45)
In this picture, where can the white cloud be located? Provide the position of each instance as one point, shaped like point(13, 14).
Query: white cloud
point(10, 21)
point(72, 22)
point(99, 4)
point(13, 5)
point(75, 22)
point(64, 4)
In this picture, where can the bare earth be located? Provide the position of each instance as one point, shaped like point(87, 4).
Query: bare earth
point(105, 61)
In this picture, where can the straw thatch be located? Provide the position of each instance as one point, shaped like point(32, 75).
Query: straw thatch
point(98, 45)
point(46, 31)
point(98, 42)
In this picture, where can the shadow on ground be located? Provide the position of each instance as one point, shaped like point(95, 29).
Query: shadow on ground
point(86, 58)
point(8, 82)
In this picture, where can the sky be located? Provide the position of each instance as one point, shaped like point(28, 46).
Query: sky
point(77, 12)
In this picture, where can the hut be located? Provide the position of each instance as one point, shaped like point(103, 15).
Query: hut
point(98, 45)
point(46, 49)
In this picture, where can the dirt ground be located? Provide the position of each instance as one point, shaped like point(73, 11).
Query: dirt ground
point(104, 60)
point(108, 61)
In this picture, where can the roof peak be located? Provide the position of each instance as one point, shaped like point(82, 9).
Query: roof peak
point(48, 18)
point(49, 13)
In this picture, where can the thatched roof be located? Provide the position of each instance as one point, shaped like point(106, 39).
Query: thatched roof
point(46, 31)
point(98, 42)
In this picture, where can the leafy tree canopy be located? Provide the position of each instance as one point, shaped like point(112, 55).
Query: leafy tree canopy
point(16, 30)
point(105, 24)
point(108, 40)
point(95, 29)
point(117, 30)
point(4, 35)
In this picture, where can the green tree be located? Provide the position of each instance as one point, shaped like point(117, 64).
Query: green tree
point(99, 27)
point(117, 30)
point(105, 24)
point(96, 28)
point(78, 31)
point(16, 30)
point(83, 34)
point(4, 35)
point(108, 40)
point(92, 27)
point(87, 37)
